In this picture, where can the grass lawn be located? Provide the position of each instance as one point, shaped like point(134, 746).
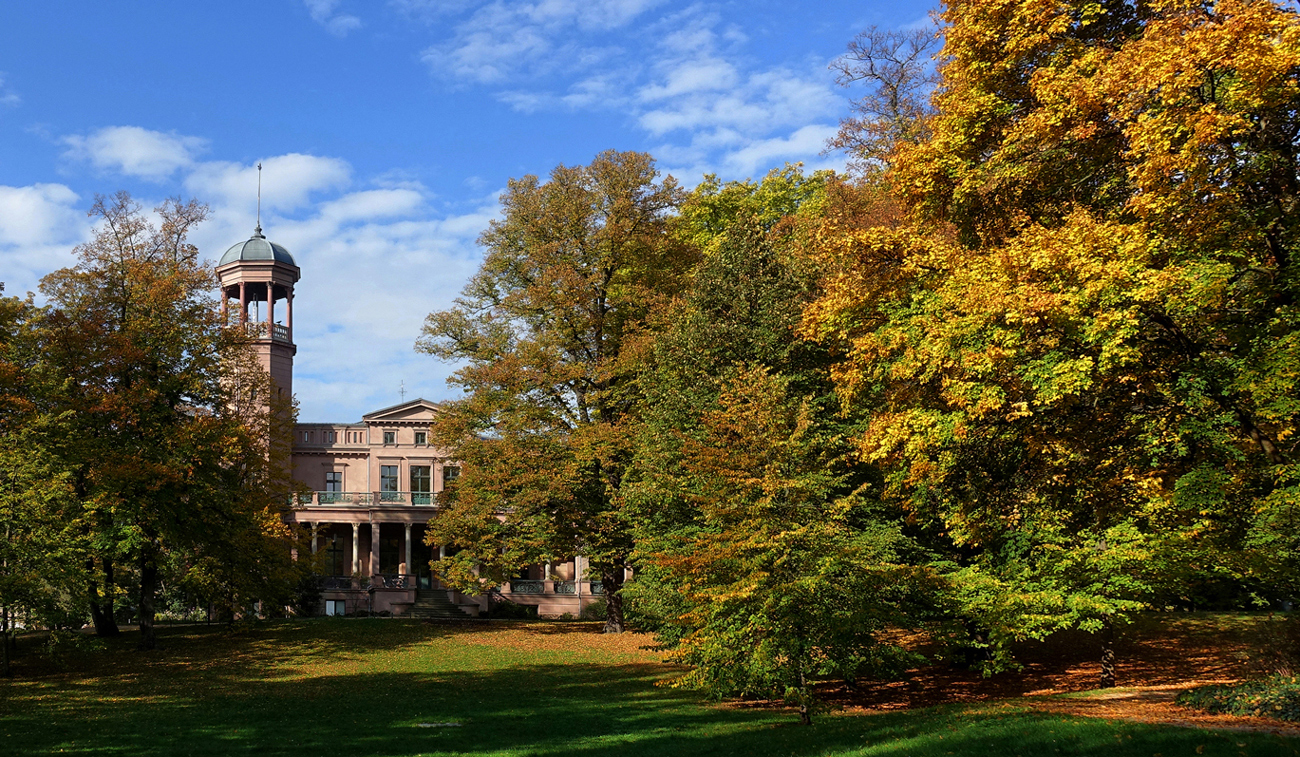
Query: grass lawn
point(391, 687)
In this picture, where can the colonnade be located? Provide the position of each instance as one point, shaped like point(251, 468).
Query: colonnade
point(374, 544)
point(270, 306)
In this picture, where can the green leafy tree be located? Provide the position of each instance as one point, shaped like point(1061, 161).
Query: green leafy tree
point(547, 330)
point(168, 447)
point(764, 564)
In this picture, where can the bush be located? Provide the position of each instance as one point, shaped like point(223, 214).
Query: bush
point(307, 597)
point(595, 610)
point(506, 610)
point(1274, 697)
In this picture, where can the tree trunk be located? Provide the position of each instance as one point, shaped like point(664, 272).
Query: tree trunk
point(4, 642)
point(101, 610)
point(611, 580)
point(805, 715)
point(1108, 655)
point(148, 588)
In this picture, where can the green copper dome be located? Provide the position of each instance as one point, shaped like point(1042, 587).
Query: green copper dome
point(257, 247)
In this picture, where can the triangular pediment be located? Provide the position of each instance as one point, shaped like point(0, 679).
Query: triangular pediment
point(414, 410)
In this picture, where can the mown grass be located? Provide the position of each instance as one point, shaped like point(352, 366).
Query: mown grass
point(386, 687)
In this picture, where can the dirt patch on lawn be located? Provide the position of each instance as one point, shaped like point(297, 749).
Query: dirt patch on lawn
point(1156, 704)
point(1158, 657)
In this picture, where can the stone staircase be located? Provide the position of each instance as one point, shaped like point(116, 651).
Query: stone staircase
point(435, 604)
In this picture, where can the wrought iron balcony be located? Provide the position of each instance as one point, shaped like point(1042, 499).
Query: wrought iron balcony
point(364, 499)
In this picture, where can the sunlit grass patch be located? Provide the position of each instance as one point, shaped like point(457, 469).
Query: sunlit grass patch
point(388, 687)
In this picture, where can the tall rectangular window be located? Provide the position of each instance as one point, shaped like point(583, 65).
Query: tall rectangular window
point(388, 478)
point(421, 438)
point(421, 485)
point(450, 473)
point(390, 437)
point(334, 481)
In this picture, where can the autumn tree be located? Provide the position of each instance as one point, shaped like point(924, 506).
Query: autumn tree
point(545, 330)
point(1078, 371)
point(768, 566)
point(163, 450)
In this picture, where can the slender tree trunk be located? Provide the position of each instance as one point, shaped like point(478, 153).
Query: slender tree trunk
point(148, 590)
point(4, 642)
point(101, 608)
point(1108, 655)
point(805, 715)
point(611, 580)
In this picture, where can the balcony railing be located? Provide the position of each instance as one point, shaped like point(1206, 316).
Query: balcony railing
point(363, 499)
point(518, 586)
point(279, 333)
point(564, 587)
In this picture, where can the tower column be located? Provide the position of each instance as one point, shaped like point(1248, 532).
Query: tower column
point(243, 304)
point(270, 309)
point(288, 313)
point(224, 296)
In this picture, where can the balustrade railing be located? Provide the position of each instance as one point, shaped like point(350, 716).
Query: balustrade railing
point(565, 587)
point(257, 330)
point(518, 586)
point(597, 587)
point(309, 499)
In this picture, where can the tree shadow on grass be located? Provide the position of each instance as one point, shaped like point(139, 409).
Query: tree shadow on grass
point(575, 710)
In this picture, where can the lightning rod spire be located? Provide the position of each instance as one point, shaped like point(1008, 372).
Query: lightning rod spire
point(259, 198)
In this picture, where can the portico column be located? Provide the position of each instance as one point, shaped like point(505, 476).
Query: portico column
point(577, 575)
point(356, 548)
point(313, 537)
point(407, 553)
point(374, 549)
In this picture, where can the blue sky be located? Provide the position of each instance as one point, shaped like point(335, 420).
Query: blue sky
point(387, 129)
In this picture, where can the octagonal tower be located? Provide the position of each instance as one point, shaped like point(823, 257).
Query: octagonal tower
point(258, 272)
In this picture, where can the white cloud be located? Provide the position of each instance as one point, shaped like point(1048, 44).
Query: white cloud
point(503, 40)
point(374, 264)
point(288, 181)
point(756, 157)
point(323, 13)
point(8, 97)
point(39, 225)
point(135, 151)
point(692, 86)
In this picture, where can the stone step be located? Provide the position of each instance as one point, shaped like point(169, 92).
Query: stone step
point(434, 603)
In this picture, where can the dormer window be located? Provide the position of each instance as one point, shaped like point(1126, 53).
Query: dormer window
point(421, 438)
point(390, 437)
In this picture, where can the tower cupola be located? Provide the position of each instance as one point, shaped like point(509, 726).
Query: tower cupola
point(257, 273)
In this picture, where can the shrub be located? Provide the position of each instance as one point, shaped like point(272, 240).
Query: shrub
point(1275, 697)
point(594, 611)
point(506, 610)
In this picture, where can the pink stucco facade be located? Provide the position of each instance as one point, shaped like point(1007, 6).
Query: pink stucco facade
point(370, 488)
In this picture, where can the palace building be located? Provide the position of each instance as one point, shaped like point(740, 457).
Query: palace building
point(374, 485)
